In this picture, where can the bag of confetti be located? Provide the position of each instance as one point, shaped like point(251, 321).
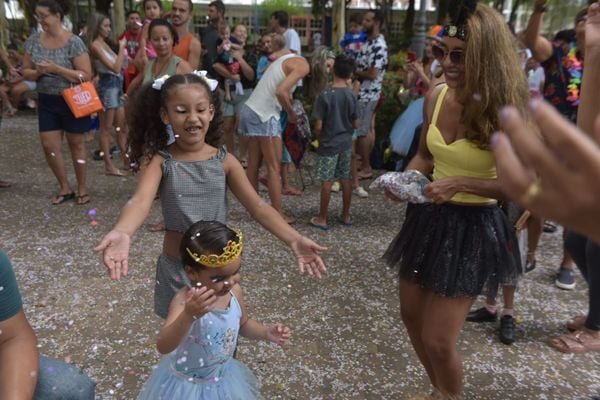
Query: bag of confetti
point(406, 186)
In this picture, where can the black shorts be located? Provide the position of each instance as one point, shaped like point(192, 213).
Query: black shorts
point(54, 115)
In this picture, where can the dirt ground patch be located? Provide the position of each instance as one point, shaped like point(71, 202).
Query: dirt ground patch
point(348, 340)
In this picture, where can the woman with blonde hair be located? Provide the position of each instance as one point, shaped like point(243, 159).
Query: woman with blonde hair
point(321, 63)
point(449, 250)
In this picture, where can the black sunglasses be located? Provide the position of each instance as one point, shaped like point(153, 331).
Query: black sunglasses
point(440, 53)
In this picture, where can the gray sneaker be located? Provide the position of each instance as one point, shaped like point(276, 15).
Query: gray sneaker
point(565, 279)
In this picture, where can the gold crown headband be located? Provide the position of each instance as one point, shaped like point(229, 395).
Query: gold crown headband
point(231, 252)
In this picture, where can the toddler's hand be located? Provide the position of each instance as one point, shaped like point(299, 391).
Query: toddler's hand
point(199, 301)
point(278, 334)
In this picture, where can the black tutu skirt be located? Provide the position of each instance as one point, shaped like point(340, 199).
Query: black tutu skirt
point(456, 251)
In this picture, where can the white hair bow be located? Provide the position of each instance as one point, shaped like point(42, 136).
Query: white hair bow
point(212, 84)
point(159, 82)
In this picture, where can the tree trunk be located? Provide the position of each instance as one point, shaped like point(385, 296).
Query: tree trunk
point(118, 19)
point(513, 12)
point(338, 22)
point(386, 8)
point(103, 6)
point(3, 28)
point(409, 21)
point(442, 10)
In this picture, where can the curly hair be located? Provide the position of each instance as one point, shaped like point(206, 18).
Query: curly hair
point(147, 132)
point(493, 75)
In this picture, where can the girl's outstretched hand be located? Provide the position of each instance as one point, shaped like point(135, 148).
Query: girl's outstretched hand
point(307, 254)
point(278, 334)
point(199, 301)
point(115, 252)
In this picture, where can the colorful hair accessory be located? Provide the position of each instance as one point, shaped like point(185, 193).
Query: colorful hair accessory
point(434, 32)
point(159, 82)
point(575, 68)
point(231, 252)
point(212, 84)
point(460, 11)
point(453, 31)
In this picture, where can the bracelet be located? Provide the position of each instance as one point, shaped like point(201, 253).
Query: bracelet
point(540, 9)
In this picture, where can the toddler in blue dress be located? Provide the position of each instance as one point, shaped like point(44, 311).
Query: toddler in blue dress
point(200, 333)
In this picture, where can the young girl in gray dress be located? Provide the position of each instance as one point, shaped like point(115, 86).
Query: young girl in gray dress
point(192, 176)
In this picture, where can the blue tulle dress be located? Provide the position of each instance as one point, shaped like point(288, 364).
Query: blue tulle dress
point(203, 367)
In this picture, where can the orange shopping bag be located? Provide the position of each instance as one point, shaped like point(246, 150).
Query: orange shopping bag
point(82, 99)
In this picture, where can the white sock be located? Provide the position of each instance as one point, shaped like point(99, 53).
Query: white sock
point(491, 308)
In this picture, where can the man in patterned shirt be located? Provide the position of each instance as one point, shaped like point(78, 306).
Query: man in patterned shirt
point(371, 64)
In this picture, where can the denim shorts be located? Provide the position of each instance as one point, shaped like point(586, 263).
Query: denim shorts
point(337, 166)
point(59, 380)
point(110, 90)
point(251, 124)
point(55, 115)
point(365, 110)
point(234, 107)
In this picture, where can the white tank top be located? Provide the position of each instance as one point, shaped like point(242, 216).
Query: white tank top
point(263, 100)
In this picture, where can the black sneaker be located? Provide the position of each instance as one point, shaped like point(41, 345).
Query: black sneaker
point(482, 315)
point(507, 329)
point(565, 279)
point(98, 155)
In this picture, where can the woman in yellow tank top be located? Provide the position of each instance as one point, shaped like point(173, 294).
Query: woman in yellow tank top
point(450, 250)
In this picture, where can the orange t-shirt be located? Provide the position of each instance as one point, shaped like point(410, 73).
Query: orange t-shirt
point(182, 49)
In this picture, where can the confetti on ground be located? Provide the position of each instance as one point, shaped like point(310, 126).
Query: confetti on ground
point(348, 339)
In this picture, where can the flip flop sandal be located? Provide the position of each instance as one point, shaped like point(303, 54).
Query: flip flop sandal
point(577, 342)
point(4, 184)
point(291, 192)
point(61, 198)
point(83, 199)
point(341, 221)
point(321, 227)
point(550, 227)
point(576, 323)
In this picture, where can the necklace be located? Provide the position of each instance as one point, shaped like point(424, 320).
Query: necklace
point(575, 68)
point(158, 70)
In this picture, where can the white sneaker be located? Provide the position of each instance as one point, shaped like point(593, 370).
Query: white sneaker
point(335, 187)
point(360, 192)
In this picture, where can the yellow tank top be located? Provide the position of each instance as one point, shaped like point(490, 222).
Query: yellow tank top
point(459, 158)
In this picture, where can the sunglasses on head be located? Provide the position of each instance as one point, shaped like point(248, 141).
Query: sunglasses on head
point(440, 53)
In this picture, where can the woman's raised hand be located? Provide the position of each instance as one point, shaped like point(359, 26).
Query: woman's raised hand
point(567, 162)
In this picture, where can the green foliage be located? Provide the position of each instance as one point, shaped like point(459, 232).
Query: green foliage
point(396, 61)
point(293, 7)
point(391, 107)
